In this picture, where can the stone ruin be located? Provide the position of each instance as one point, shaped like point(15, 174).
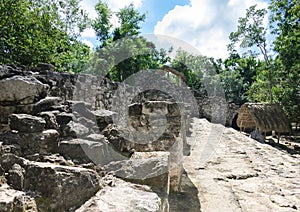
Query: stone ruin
point(61, 150)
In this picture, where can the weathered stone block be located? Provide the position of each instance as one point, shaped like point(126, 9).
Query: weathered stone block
point(31, 143)
point(104, 118)
point(16, 177)
point(155, 107)
point(75, 130)
point(21, 90)
point(26, 123)
point(64, 118)
point(6, 111)
point(45, 104)
point(16, 201)
point(85, 151)
point(123, 196)
point(150, 171)
point(50, 118)
point(8, 160)
point(60, 188)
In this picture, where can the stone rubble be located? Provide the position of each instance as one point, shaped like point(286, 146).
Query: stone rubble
point(58, 141)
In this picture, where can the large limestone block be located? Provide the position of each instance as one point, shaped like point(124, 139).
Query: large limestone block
point(45, 104)
point(26, 123)
point(21, 90)
point(86, 151)
point(13, 200)
point(150, 142)
point(104, 118)
point(60, 188)
point(31, 143)
point(123, 196)
point(151, 168)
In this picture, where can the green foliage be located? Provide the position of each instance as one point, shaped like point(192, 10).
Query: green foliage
point(129, 20)
point(279, 77)
point(252, 33)
point(101, 24)
point(122, 45)
point(237, 75)
point(285, 21)
point(192, 67)
point(34, 31)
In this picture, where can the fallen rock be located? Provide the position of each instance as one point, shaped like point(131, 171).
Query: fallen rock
point(123, 196)
point(8, 71)
point(26, 123)
point(8, 160)
point(13, 200)
point(75, 130)
point(120, 144)
point(103, 118)
point(81, 109)
point(64, 118)
point(45, 104)
point(60, 188)
point(85, 151)
point(50, 118)
point(56, 159)
point(151, 168)
point(16, 177)
point(31, 143)
point(21, 90)
point(115, 136)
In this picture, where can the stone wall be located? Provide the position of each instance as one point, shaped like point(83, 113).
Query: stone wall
point(57, 126)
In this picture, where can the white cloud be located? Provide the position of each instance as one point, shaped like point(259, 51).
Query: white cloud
point(89, 32)
point(205, 24)
point(88, 43)
point(115, 5)
point(89, 7)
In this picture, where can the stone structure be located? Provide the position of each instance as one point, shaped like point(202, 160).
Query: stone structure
point(58, 140)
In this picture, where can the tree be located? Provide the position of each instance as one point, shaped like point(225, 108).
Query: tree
point(129, 20)
point(285, 20)
point(32, 32)
point(252, 33)
point(237, 76)
point(101, 24)
point(123, 41)
point(192, 68)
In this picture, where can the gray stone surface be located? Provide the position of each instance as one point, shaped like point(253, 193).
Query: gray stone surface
point(50, 118)
point(16, 177)
point(60, 188)
point(103, 118)
point(86, 151)
point(6, 111)
point(241, 174)
point(31, 143)
point(75, 130)
point(15, 201)
point(123, 196)
point(45, 104)
point(152, 171)
point(21, 90)
point(26, 123)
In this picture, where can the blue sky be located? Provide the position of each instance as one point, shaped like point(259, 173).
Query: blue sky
point(204, 24)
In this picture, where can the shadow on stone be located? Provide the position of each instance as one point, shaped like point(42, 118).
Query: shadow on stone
point(186, 199)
